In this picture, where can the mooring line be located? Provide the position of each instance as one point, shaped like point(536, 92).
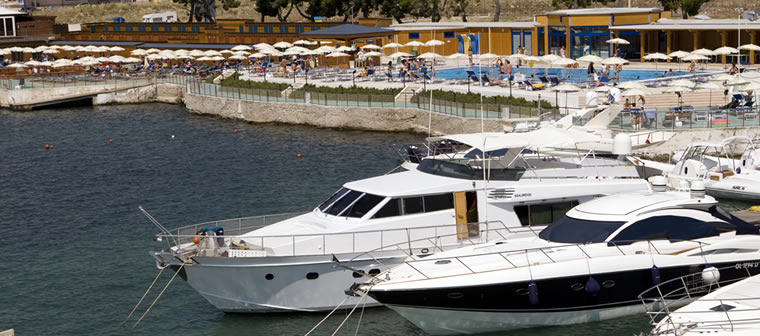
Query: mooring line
point(328, 316)
point(349, 313)
point(143, 297)
point(360, 319)
point(159, 295)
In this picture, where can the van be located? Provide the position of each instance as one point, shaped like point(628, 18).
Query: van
point(160, 17)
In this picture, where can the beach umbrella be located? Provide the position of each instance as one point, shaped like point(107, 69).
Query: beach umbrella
point(241, 52)
point(737, 81)
point(725, 51)
point(723, 77)
point(50, 51)
point(371, 46)
point(282, 45)
point(40, 49)
point(696, 57)
point(153, 51)
point(46, 64)
point(602, 89)
point(682, 82)
point(344, 49)
point(196, 53)
point(212, 53)
point(325, 42)
point(392, 45)
point(262, 45)
point(226, 51)
point(274, 53)
point(291, 52)
point(564, 61)
point(32, 63)
point(181, 51)
point(703, 52)
point(614, 61)
point(673, 89)
point(257, 55)
point(241, 47)
point(372, 54)
point(132, 60)
point(183, 56)
point(631, 85)
point(635, 92)
point(117, 48)
point(325, 49)
point(657, 56)
point(617, 40)
point(217, 58)
point(138, 52)
point(299, 42)
point(414, 44)
point(457, 56)
point(433, 43)
point(204, 58)
point(29, 50)
point(565, 88)
point(752, 86)
point(5, 51)
point(102, 49)
point(590, 59)
point(16, 49)
point(237, 57)
point(116, 58)
point(749, 47)
point(399, 54)
point(17, 65)
point(517, 56)
point(337, 54)
point(549, 59)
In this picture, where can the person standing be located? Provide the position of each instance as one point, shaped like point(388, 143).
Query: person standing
point(590, 72)
point(562, 52)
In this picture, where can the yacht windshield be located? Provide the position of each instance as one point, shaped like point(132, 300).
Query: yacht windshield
point(463, 171)
point(578, 231)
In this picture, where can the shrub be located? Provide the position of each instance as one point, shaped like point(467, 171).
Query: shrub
point(235, 81)
point(474, 98)
point(356, 90)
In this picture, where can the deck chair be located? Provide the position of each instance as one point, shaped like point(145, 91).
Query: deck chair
point(554, 80)
point(488, 81)
point(471, 75)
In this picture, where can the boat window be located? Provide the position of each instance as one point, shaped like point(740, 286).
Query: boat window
point(332, 199)
point(578, 231)
point(363, 205)
point(543, 214)
point(413, 205)
point(343, 203)
point(665, 227)
point(439, 202)
point(390, 209)
point(463, 171)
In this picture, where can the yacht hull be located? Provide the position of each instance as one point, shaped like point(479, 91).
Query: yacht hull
point(560, 301)
point(245, 286)
point(741, 187)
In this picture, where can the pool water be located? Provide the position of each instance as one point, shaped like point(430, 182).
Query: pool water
point(565, 75)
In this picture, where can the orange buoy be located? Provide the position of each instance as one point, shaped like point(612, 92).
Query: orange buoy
point(51, 146)
point(235, 131)
point(196, 240)
point(299, 155)
point(47, 146)
point(110, 140)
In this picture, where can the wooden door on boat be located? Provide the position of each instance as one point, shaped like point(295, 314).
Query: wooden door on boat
point(466, 211)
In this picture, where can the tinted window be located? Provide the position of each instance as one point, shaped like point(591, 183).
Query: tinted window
point(665, 227)
point(332, 198)
point(439, 202)
point(413, 205)
point(390, 209)
point(364, 205)
point(543, 214)
point(343, 203)
point(578, 231)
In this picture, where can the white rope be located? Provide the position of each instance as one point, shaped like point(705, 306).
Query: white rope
point(349, 313)
point(144, 295)
point(360, 319)
point(159, 296)
point(328, 316)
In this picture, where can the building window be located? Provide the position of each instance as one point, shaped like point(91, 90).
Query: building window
point(167, 28)
point(117, 28)
point(196, 29)
point(253, 29)
point(105, 28)
point(313, 28)
point(153, 28)
point(414, 36)
point(448, 34)
point(129, 28)
point(93, 29)
point(182, 29)
point(240, 29)
point(268, 29)
point(283, 29)
point(299, 29)
point(141, 28)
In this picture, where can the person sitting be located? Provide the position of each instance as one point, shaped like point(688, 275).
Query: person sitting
point(627, 105)
point(734, 70)
point(364, 73)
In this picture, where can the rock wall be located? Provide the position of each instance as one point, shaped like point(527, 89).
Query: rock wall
point(375, 119)
point(143, 94)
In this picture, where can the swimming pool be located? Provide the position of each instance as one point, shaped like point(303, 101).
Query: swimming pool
point(566, 75)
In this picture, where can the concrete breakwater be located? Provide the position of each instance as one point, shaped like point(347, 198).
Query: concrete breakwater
point(100, 94)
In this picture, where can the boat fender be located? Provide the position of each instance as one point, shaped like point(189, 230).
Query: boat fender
point(533, 293)
point(710, 275)
point(655, 275)
point(738, 170)
point(592, 286)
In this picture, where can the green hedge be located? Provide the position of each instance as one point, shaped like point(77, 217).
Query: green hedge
point(474, 98)
point(235, 81)
point(354, 90)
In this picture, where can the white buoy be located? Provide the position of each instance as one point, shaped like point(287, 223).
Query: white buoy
point(710, 275)
point(172, 136)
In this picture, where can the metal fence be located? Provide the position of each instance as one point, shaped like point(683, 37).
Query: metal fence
point(465, 110)
point(37, 82)
point(696, 118)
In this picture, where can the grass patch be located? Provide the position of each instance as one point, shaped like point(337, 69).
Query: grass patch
point(352, 90)
point(236, 82)
point(474, 98)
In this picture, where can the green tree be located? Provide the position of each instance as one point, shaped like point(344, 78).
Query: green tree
point(205, 10)
point(459, 8)
point(687, 7)
point(576, 3)
point(400, 9)
point(280, 9)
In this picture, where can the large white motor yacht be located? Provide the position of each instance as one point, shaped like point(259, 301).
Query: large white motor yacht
point(588, 266)
point(305, 263)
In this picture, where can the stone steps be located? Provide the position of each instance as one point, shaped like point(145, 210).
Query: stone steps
point(406, 94)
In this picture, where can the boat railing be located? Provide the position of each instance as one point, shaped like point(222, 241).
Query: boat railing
point(232, 227)
point(510, 259)
point(414, 240)
point(661, 300)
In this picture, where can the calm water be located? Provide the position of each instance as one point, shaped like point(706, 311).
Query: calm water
point(75, 251)
point(571, 75)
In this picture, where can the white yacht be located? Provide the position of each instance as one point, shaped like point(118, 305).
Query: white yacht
point(730, 309)
point(305, 262)
point(724, 176)
point(588, 266)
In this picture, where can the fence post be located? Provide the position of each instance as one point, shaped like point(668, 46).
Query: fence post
point(369, 100)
